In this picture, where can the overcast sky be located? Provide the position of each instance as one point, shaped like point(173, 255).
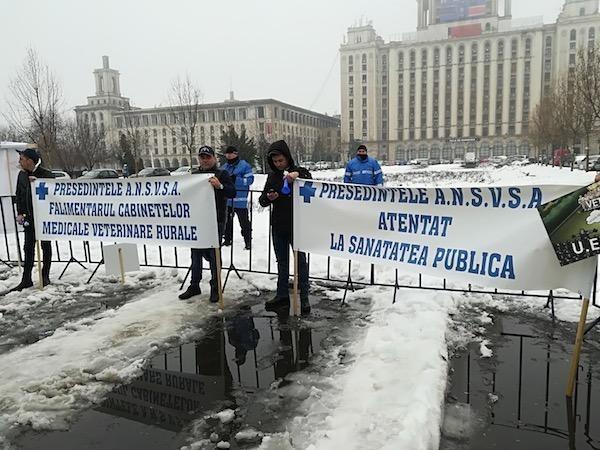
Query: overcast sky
point(281, 49)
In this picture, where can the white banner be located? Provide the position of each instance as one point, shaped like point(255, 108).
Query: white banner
point(168, 211)
point(9, 167)
point(487, 236)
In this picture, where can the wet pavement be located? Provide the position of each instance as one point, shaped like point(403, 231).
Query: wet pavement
point(516, 398)
point(238, 358)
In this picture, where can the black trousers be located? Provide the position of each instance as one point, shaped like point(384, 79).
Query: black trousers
point(29, 251)
point(242, 214)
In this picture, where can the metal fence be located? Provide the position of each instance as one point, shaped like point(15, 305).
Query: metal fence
point(90, 257)
point(527, 380)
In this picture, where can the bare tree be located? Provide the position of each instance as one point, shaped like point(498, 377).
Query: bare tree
point(34, 106)
point(587, 86)
point(136, 139)
point(9, 133)
point(542, 122)
point(185, 100)
point(81, 147)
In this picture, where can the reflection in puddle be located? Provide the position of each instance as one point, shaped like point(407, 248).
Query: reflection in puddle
point(516, 399)
point(246, 352)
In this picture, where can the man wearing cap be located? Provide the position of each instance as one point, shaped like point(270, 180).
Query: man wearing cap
point(31, 169)
point(363, 169)
point(277, 192)
point(224, 189)
point(241, 174)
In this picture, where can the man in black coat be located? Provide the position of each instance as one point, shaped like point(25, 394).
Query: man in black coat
point(31, 164)
point(278, 192)
point(224, 189)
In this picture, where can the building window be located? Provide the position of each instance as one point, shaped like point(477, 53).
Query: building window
point(400, 61)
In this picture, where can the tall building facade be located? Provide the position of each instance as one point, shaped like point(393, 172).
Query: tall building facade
point(158, 129)
point(468, 79)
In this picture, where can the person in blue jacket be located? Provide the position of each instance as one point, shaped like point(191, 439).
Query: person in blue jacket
point(242, 175)
point(363, 170)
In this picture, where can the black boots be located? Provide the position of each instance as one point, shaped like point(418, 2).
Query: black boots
point(192, 290)
point(24, 284)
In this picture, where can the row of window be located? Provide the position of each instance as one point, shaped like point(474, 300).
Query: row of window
point(450, 151)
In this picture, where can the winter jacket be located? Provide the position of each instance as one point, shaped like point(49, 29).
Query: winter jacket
point(281, 215)
point(241, 174)
point(23, 193)
point(221, 195)
point(364, 172)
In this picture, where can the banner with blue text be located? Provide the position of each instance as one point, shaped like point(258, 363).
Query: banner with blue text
point(168, 211)
point(489, 236)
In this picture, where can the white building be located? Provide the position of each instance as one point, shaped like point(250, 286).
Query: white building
point(158, 127)
point(468, 79)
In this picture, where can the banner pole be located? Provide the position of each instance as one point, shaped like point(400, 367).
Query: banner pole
point(121, 265)
point(296, 303)
point(577, 348)
point(218, 261)
point(39, 265)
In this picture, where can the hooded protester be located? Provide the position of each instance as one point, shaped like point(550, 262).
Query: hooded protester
point(241, 174)
point(363, 169)
point(278, 192)
point(224, 189)
point(31, 169)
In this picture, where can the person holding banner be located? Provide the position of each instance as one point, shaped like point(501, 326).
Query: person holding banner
point(363, 169)
point(224, 189)
point(278, 192)
point(241, 173)
point(31, 164)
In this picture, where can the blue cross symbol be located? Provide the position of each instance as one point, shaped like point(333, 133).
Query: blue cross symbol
point(307, 191)
point(41, 191)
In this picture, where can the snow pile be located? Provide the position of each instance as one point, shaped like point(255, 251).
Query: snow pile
point(392, 394)
point(45, 383)
point(485, 351)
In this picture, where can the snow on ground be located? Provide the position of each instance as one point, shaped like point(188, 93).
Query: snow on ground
point(389, 395)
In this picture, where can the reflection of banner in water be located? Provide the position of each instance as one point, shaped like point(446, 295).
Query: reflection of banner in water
point(573, 224)
point(164, 397)
point(486, 236)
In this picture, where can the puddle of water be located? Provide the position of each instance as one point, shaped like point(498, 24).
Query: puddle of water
point(243, 353)
point(516, 398)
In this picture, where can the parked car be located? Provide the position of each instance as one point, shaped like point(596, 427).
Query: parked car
point(310, 165)
point(434, 161)
point(96, 174)
point(322, 165)
point(419, 162)
point(152, 172)
point(581, 160)
point(61, 175)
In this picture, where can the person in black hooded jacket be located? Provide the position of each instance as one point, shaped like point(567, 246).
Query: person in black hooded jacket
point(277, 192)
point(31, 164)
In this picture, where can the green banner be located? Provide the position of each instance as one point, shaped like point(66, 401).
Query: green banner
point(573, 224)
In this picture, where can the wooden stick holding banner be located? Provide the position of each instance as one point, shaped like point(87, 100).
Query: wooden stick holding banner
point(39, 265)
point(577, 348)
point(219, 285)
point(296, 303)
point(121, 265)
